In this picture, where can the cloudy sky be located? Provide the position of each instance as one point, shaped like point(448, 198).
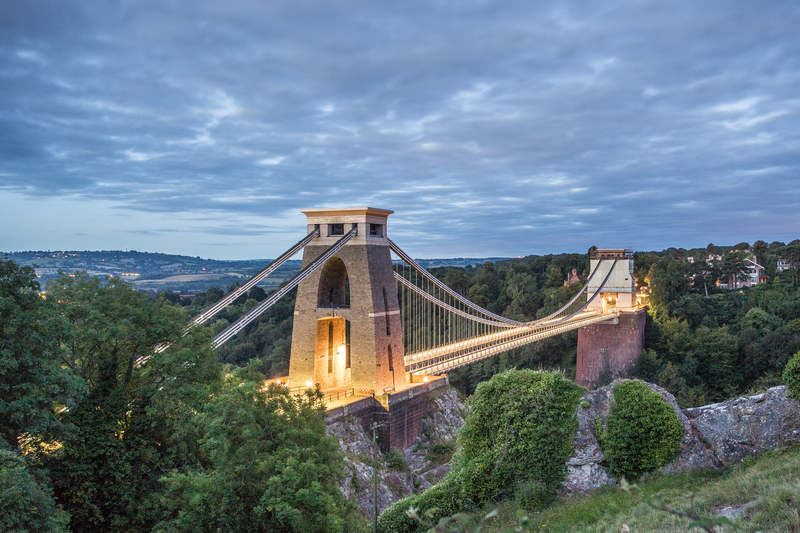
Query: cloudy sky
point(490, 128)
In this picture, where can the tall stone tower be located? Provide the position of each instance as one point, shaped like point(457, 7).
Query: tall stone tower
point(347, 328)
point(611, 347)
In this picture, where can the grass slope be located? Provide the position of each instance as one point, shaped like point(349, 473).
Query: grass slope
point(767, 488)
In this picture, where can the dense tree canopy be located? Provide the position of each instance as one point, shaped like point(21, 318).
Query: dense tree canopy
point(271, 466)
point(96, 427)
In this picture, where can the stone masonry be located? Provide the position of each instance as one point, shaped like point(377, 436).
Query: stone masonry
point(609, 348)
point(364, 266)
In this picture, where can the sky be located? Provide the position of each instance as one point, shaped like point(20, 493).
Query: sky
point(490, 128)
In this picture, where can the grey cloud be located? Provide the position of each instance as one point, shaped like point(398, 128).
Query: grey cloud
point(521, 126)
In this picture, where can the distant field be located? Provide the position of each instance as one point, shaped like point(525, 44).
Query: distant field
point(190, 277)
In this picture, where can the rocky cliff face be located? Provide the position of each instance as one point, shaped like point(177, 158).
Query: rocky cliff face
point(420, 466)
point(715, 436)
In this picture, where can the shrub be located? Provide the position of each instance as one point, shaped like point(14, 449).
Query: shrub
point(643, 432)
point(517, 435)
point(440, 453)
point(446, 498)
point(533, 495)
point(520, 427)
point(396, 461)
point(791, 376)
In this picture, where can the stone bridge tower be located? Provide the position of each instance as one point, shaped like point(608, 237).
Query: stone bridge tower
point(347, 330)
point(611, 348)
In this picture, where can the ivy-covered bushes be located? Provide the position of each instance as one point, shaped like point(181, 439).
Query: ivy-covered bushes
point(518, 432)
point(444, 499)
point(791, 376)
point(643, 432)
point(520, 426)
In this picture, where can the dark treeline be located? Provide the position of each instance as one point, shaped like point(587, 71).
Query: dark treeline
point(706, 344)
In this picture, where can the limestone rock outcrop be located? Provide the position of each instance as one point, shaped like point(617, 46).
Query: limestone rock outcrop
point(715, 435)
point(444, 417)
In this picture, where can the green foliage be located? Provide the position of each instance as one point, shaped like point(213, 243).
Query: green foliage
point(533, 495)
point(667, 279)
point(270, 465)
point(396, 461)
point(766, 488)
point(32, 379)
point(791, 376)
point(443, 499)
point(466, 523)
point(711, 349)
point(132, 422)
point(643, 432)
point(518, 434)
point(519, 427)
point(698, 520)
point(440, 453)
point(25, 504)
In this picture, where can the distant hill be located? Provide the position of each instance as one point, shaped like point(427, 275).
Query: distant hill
point(153, 271)
point(183, 274)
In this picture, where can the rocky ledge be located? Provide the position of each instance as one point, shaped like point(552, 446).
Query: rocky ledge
point(715, 436)
point(423, 464)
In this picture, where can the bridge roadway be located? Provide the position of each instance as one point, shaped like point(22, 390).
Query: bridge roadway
point(444, 358)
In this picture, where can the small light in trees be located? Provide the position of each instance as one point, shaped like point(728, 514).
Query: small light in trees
point(309, 383)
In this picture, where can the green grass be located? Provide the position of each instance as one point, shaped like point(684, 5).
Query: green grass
point(769, 486)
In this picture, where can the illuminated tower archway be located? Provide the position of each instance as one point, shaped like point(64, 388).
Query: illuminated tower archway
point(347, 327)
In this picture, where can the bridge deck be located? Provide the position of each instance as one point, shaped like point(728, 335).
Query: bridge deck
point(444, 358)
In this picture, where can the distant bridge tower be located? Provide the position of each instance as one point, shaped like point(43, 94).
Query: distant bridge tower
point(347, 330)
point(611, 347)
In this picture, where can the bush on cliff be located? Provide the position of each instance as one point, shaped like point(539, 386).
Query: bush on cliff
point(791, 376)
point(520, 427)
point(519, 430)
point(643, 432)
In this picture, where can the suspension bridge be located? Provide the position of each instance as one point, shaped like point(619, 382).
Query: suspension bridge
point(370, 321)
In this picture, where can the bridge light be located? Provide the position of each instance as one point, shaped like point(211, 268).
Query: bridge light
point(309, 383)
point(425, 379)
point(277, 382)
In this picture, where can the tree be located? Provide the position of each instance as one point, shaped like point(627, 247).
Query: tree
point(257, 293)
point(134, 421)
point(26, 505)
point(667, 280)
point(272, 468)
point(520, 427)
point(734, 268)
point(554, 276)
point(456, 279)
point(32, 382)
point(760, 251)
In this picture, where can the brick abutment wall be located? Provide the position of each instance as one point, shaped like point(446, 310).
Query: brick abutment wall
point(400, 414)
point(609, 348)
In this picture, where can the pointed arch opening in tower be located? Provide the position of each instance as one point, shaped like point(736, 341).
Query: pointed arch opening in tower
point(334, 287)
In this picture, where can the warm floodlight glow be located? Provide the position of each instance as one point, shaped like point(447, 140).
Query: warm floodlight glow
point(309, 383)
point(278, 382)
point(425, 379)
